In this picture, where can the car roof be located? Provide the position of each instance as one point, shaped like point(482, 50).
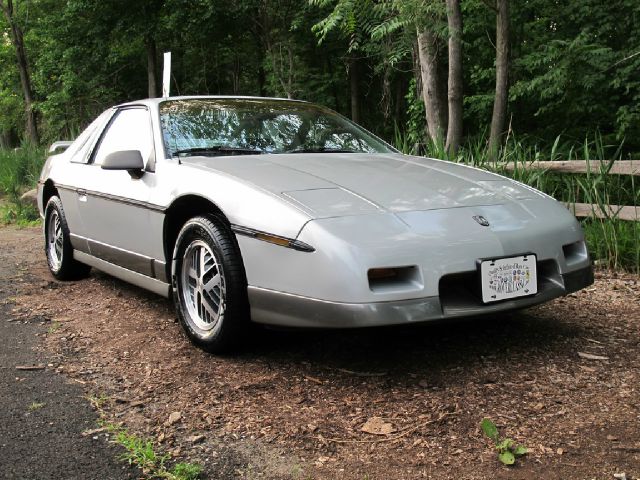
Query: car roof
point(158, 100)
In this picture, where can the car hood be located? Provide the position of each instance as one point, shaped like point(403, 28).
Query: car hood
point(335, 184)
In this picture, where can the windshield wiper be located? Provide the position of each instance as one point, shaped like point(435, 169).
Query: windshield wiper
point(321, 150)
point(218, 149)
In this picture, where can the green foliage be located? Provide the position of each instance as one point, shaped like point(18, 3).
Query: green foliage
point(416, 124)
point(19, 171)
point(359, 21)
point(36, 406)
point(99, 401)
point(18, 213)
point(506, 448)
point(574, 67)
point(576, 70)
point(55, 326)
point(489, 429)
point(186, 471)
point(141, 452)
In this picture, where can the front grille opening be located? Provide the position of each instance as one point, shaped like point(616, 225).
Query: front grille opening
point(394, 279)
point(462, 291)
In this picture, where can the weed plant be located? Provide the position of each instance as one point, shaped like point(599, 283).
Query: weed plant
point(142, 453)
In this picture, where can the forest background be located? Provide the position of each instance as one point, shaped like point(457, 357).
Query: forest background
point(477, 81)
point(568, 68)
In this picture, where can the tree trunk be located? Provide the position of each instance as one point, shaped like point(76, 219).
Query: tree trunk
point(262, 81)
point(17, 39)
point(7, 139)
point(399, 104)
point(431, 89)
point(354, 81)
point(334, 87)
point(152, 67)
point(499, 118)
point(454, 85)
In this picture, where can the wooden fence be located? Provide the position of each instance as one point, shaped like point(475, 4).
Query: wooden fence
point(619, 167)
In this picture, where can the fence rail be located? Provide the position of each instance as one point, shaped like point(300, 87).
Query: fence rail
point(621, 212)
point(616, 167)
point(619, 167)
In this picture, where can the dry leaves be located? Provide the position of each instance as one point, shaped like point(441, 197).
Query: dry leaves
point(377, 426)
point(174, 417)
point(309, 395)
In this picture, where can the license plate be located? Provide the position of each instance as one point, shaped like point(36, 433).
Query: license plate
point(511, 277)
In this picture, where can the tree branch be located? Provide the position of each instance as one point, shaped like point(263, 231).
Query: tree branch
point(623, 60)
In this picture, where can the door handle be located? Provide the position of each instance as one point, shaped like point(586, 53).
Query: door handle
point(82, 195)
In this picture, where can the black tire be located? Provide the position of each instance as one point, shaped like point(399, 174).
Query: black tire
point(57, 244)
point(207, 267)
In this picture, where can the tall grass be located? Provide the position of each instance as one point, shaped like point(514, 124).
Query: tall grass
point(613, 243)
point(19, 172)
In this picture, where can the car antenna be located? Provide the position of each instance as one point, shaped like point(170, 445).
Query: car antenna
point(166, 75)
point(166, 81)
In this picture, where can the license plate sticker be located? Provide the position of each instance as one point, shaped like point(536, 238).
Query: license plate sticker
point(511, 277)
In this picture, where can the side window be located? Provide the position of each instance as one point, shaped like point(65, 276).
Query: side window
point(129, 130)
point(78, 149)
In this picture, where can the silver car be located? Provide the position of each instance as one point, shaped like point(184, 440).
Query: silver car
point(285, 213)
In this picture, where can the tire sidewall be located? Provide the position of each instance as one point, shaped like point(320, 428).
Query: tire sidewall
point(54, 204)
point(221, 336)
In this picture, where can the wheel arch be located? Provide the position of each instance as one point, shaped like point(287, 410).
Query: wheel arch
point(48, 190)
point(179, 212)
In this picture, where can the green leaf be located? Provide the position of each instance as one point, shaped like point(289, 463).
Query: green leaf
point(504, 444)
point(507, 458)
point(520, 450)
point(490, 430)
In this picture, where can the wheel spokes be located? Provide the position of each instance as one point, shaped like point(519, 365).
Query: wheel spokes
point(55, 240)
point(210, 312)
point(203, 284)
point(215, 282)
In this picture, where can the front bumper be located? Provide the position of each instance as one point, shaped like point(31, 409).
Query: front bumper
point(283, 309)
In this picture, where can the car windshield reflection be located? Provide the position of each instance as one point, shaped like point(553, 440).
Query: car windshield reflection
point(212, 127)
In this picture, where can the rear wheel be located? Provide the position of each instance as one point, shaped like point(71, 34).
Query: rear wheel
point(58, 244)
point(209, 285)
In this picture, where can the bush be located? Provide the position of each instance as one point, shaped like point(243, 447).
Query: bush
point(19, 172)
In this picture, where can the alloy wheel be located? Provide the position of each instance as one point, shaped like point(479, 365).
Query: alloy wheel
point(203, 286)
point(55, 239)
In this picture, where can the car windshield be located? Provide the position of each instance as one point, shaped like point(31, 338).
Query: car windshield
point(255, 126)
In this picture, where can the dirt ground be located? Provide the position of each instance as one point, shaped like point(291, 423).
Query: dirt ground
point(561, 379)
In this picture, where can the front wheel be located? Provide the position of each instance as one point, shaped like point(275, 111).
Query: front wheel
point(58, 247)
point(209, 285)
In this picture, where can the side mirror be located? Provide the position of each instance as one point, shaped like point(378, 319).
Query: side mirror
point(129, 160)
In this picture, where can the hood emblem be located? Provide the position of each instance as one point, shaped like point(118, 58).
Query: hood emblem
point(481, 220)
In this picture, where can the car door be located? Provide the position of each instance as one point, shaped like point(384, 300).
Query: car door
point(69, 174)
point(113, 204)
